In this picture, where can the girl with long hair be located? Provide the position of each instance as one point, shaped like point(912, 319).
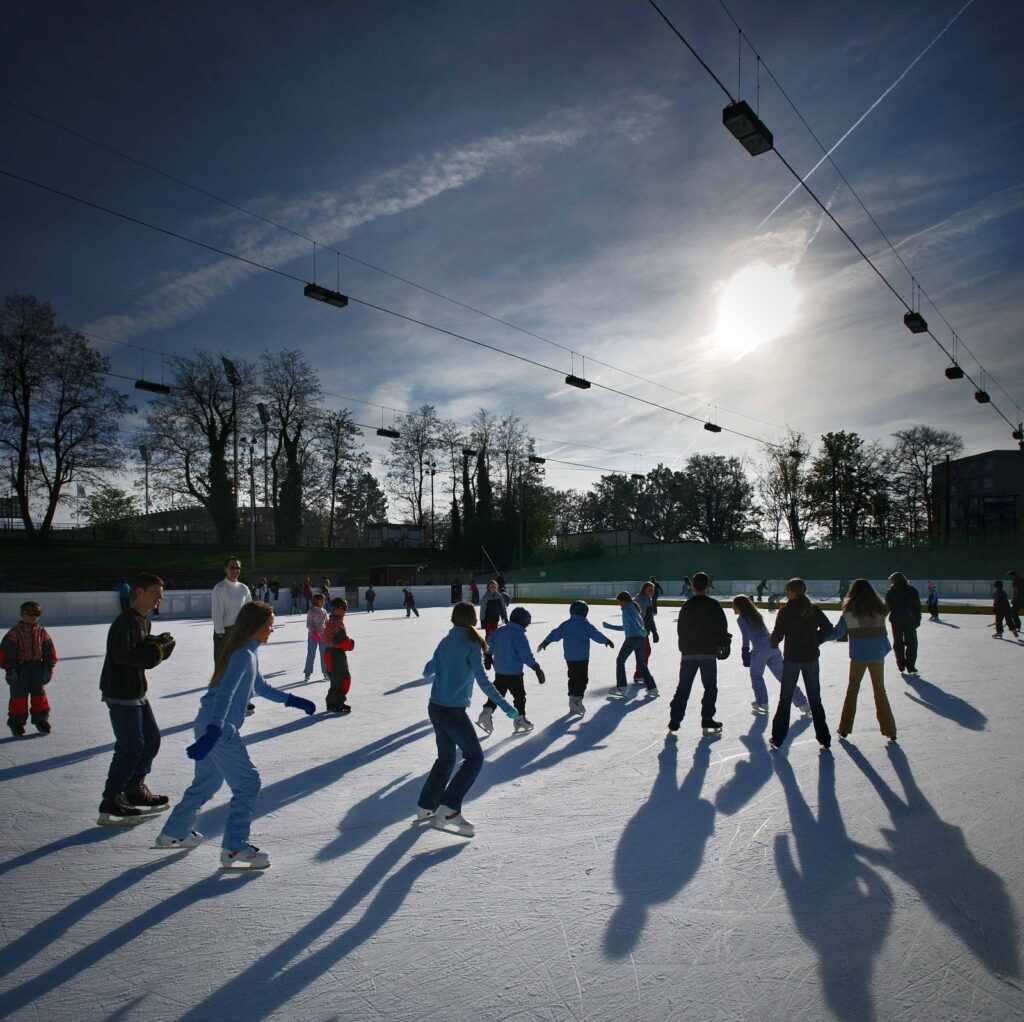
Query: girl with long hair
point(758, 654)
point(492, 609)
point(635, 636)
point(218, 750)
point(863, 621)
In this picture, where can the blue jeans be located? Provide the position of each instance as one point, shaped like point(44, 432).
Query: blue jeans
point(136, 743)
point(632, 645)
point(227, 761)
point(452, 729)
point(311, 648)
point(708, 667)
point(772, 659)
point(791, 671)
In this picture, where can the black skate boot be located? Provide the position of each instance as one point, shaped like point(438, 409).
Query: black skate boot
point(142, 798)
point(117, 811)
point(42, 725)
point(711, 727)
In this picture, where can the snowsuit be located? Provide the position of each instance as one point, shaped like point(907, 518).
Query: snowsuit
point(869, 646)
point(632, 645)
point(904, 603)
point(338, 644)
point(702, 630)
point(224, 705)
point(576, 635)
point(510, 652)
point(757, 643)
point(27, 656)
point(492, 610)
point(316, 620)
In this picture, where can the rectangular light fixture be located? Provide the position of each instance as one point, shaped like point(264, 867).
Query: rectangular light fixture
point(954, 372)
point(324, 294)
point(578, 381)
point(155, 388)
point(747, 128)
point(534, 460)
point(915, 323)
point(392, 434)
point(982, 397)
point(468, 452)
point(712, 427)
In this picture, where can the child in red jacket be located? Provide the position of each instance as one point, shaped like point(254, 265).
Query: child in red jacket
point(28, 656)
point(338, 644)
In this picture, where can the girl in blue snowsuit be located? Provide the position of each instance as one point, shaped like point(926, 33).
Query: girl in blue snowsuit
point(576, 634)
point(758, 654)
point(218, 750)
point(632, 644)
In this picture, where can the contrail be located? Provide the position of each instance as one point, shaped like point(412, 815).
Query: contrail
point(860, 119)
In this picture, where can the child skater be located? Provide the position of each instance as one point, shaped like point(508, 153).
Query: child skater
point(28, 656)
point(457, 662)
point(219, 752)
point(632, 644)
point(933, 602)
point(338, 645)
point(576, 634)
point(510, 652)
point(1003, 610)
point(316, 621)
point(647, 601)
point(758, 654)
point(371, 595)
point(863, 621)
point(803, 627)
point(492, 609)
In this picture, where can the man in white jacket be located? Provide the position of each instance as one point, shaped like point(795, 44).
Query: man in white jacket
point(229, 597)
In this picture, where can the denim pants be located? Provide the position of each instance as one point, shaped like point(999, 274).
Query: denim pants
point(136, 743)
point(904, 644)
point(452, 730)
point(708, 667)
point(791, 671)
point(311, 647)
point(632, 645)
point(227, 761)
point(772, 659)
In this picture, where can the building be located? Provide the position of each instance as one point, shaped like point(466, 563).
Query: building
point(388, 534)
point(982, 499)
point(613, 541)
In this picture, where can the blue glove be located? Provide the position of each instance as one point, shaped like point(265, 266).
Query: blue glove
point(307, 706)
point(512, 713)
point(201, 747)
point(746, 657)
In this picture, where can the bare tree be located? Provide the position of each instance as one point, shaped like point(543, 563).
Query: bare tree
point(783, 485)
point(918, 450)
point(406, 460)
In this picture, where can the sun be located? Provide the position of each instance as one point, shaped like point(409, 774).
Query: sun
point(757, 304)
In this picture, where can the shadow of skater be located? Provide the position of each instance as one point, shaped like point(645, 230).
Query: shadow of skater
point(749, 775)
point(677, 822)
point(932, 856)
point(840, 905)
point(944, 704)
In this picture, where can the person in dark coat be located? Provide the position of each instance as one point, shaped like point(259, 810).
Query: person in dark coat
point(904, 603)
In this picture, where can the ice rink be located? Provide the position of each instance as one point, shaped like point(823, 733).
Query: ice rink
point(616, 875)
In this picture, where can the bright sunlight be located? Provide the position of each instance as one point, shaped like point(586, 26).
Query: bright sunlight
point(757, 304)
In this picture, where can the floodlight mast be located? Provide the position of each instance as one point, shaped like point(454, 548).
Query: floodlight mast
point(236, 381)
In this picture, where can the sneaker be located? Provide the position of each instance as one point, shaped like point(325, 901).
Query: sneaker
point(521, 726)
point(250, 709)
point(43, 726)
point(453, 822)
point(484, 721)
point(191, 840)
point(142, 798)
point(249, 856)
point(759, 707)
point(116, 810)
point(422, 815)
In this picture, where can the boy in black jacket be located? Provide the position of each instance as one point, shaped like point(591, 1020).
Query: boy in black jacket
point(904, 603)
point(803, 627)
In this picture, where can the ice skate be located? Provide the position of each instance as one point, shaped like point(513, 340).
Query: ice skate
point(249, 857)
point(673, 726)
point(652, 692)
point(142, 798)
point(191, 840)
point(805, 711)
point(521, 726)
point(484, 721)
point(17, 730)
point(44, 727)
point(452, 822)
point(423, 815)
point(759, 707)
point(618, 691)
point(250, 709)
point(576, 707)
point(711, 727)
point(116, 811)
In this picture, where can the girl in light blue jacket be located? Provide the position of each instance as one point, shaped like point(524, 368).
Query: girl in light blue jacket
point(632, 644)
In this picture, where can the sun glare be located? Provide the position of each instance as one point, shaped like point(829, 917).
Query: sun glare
point(758, 304)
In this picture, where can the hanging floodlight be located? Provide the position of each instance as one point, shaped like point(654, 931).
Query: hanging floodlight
point(578, 381)
point(954, 372)
point(324, 294)
point(712, 427)
point(391, 434)
point(468, 452)
point(747, 127)
point(915, 323)
point(982, 397)
point(155, 388)
point(1018, 433)
point(533, 459)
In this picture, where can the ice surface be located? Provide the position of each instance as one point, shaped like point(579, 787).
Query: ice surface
point(614, 876)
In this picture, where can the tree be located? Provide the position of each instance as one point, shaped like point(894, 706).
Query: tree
point(841, 487)
point(107, 510)
point(917, 451)
point(782, 487)
point(59, 419)
point(406, 460)
point(717, 499)
point(342, 461)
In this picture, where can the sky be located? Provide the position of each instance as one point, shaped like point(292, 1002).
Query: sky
point(560, 166)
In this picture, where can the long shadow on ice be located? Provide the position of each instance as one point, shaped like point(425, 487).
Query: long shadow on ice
point(415, 683)
point(661, 847)
point(89, 836)
point(944, 704)
point(277, 977)
point(749, 775)
point(932, 856)
point(841, 906)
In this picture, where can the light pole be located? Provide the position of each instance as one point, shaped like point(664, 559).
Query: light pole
point(430, 467)
point(236, 381)
point(252, 504)
point(144, 452)
point(265, 419)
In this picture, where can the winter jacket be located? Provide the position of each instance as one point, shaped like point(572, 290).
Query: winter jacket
point(128, 655)
point(576, 633)
point(225, 703)
point(648, 608)
point(492, 608)
point(702, 627)
point(316, 620)
point(457, 662)
point(904, 603)
point(510, 649)
point(868, 638)
point(632, 623)
point(26, 643)
point(1000, 602)
point(803, 627)
point(757, 639)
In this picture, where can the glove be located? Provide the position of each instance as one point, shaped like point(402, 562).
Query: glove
point(543, 646)
point(316, 637)
point(167, 643)
point(609, 643)
point(654, 636)
point(307, 706)
point(512, 713)
point(201, 747)
point(348, 644)
point(488, 661)
point(540, 675)
point(746, 657)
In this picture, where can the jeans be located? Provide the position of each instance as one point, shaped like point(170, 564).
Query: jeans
point(708, 667)
point(632, 645)
point(136, 743)
point(311, 647)
point(452, 729)
point(883, 711)
point(904, 644)
point(791, 671)
point(772, 659)
point(227, 761)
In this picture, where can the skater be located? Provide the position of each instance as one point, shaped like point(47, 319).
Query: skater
point(933, 602)
point(757, 654)
point(338, 644)
point(409, 601)
point(658, 593)
point(492, 609)
point(646, 600)
point(686, 590)
point(703, 639)
point(229, 597)
point(28, 656)
point(802, 627)
point(509, 653)
point(131, 650)
point(456, 664)
point(904, 603)
point(296, 595)
point(1015, 597)
point(307, 596)
point(275, 589)
point(762, 587)
point(863, 619)
point(456, 593)
point(371, 595)
point(632, 644)
point(124, 593)
point(1003, 610)
point(576, 634)
point(316, 621)
point(474, 591)
point(219, 752)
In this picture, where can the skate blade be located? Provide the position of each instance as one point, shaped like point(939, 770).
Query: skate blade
point(709, 731)
point(106, 820)
point(153, 810)
point(455, 831)
point(243, 867)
